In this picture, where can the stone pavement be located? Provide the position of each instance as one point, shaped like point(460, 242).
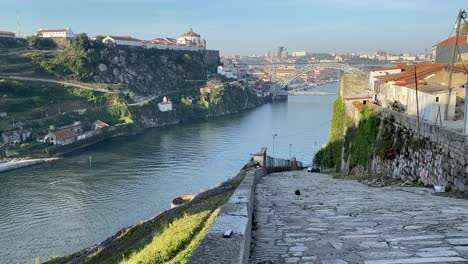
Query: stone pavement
point(340, 221)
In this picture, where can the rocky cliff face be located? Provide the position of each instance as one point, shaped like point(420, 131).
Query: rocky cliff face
point(151, 71)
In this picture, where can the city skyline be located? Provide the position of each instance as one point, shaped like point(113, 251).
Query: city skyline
point(335, 26)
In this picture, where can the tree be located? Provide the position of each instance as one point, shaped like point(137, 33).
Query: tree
point(464, 29)
point(37, 42)
point(187, 58)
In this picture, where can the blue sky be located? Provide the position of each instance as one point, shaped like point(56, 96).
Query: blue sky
point(252, 26)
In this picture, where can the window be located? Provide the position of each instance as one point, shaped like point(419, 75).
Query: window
point(437, 99)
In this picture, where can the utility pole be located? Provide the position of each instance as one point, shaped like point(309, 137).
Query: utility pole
point(454, 52)
point(417, 100)
point(274, 136)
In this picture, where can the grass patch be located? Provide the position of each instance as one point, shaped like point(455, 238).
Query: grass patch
point(171, 238)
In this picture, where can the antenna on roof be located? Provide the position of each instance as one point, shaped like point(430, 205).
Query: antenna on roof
point(18, 22)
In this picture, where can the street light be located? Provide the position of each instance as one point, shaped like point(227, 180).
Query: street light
point(290, 147)
point(274, 135)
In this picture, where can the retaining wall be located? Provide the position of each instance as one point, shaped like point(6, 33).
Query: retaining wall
point(440, 157)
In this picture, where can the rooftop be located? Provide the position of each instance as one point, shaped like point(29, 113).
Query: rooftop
point(65, 134)
point(432, 88)
point(52, 30)
point(462, 40)
point(7, 33)
point(190, 33)
point(125, 38)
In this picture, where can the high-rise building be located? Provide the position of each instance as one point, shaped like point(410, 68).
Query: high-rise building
point(270, 54)
point(281, 49)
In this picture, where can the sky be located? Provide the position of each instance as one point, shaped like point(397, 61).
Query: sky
point(249, 27)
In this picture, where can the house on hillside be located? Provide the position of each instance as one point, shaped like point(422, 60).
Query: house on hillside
point(7, 34)
point(442, 51)
point(433, 93)
point(98, 124)
point(61, 137)
point(66, 33)
point(16, 136)
point(165, 105)
point(122, 41)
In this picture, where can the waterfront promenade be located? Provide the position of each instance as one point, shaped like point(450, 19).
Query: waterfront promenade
point(342, 221)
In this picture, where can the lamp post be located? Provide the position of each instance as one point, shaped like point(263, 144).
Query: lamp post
point(274, 136)
point(290, 147)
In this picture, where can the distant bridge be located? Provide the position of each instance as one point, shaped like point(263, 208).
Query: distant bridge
point(311, 67)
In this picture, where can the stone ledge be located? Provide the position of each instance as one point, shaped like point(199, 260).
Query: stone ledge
point(235, 215)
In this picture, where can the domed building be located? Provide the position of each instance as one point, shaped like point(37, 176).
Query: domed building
point(191, 39)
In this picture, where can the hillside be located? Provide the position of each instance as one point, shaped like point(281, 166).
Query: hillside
point(43, 87)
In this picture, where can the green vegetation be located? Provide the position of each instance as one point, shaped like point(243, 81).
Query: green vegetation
point(77, 61)
point(360, 141)
point(330, 155)
point(168, 239)
point(51, 103)
point(38, 43)
point(228, 98)
point(8, 43)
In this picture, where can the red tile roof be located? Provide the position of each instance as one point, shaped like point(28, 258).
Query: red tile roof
point(386, 69)
point(126, 38)
point(190, 34)
point(53, 30)
point(422, 70)
point(66, 133)
point(462, 40)
point(7, 33)
point(100, 123)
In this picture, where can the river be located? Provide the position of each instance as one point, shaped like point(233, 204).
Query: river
point(58, 208)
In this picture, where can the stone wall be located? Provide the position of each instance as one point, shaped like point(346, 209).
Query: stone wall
point(354, 85)
point(440, 157)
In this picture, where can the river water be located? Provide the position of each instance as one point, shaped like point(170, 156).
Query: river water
point(55, 209)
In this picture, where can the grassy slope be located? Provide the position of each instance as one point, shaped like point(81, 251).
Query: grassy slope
point(169, 239)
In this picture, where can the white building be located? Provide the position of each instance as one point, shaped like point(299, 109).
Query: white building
point(192, 39)
point(393, 57)
point(432, 100)
point(165, 105)
point(299, 53)
point(373, 74)
point(7, 34)
point(228, 70)
point(122, 41)
point(56, 33)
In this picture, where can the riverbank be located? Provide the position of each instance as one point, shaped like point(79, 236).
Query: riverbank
point(17, 164)
point(148, 116)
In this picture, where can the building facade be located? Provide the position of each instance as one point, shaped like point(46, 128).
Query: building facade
point(7, 34)
point(66, 33)
point(122, 41)
point(16, 136)
point(165, 105)
point(442, 51)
